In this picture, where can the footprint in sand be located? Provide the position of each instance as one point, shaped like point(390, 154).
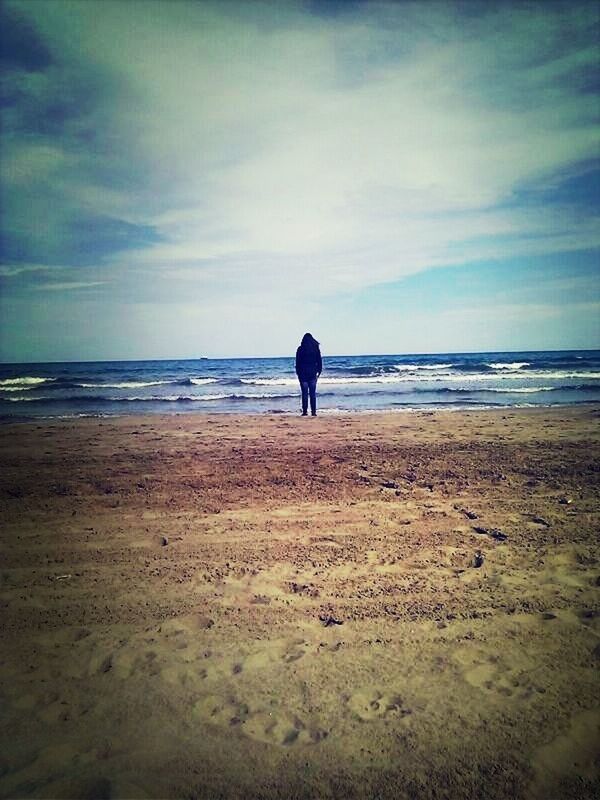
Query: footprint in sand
point(270, 727)
point(294, 651)
point(221, 710)
point(590, 619)
point(187, 675)
point(281, 729)
point(491, 674)
point(125, 662)
point(182, 669)
point(371, 704)
point(187, 628)
point(286, 651)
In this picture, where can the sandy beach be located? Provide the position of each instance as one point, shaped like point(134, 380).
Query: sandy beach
point(398, 605)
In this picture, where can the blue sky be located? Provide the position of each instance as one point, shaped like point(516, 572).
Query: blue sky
point(194, 178)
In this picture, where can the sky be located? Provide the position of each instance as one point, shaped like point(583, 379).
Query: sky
point(186, 179)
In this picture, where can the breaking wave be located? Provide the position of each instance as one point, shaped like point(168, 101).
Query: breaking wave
point(22, 384)
point(353, 383)
point(404, 379)
point(197, 398)
point(416, 367)
point(510, 365)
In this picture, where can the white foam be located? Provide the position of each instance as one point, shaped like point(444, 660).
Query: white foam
point(524, 389)
point(123, 385)
point(410, 409)
point(261, 396)
point(143, 384)
point(270, 381)
point(503, 376)
point(540, 373)
point(415, 367)
point(24, 399)
point(238, 396)
point(433, 378)
point(201, 398)
point(15, 384)
point(329, 381)
point(511, 365)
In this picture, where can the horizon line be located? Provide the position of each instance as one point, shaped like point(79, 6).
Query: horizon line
point(270, 358)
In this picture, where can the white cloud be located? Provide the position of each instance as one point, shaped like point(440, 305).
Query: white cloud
point(262, 145)
point(10, 271)
point(268, 154)
point(304, 156)
point(67, 286)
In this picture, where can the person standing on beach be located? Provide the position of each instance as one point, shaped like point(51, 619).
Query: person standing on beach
point(308, 368)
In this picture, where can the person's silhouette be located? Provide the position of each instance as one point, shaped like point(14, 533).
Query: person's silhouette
point(308, 368)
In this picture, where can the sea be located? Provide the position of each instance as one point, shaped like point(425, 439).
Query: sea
point(348, 384)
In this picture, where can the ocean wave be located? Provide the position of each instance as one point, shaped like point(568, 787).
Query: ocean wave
point(83, 399)
point(21, 384)
point(363, 369)
point(504, 390)
point(510, 365)
point(17, 388)
point(412, 408)
point(25, 381)
point(144, 384)
point(557, 374)
point(328, 381)
point(122, 385)
point(581, 387)
point(568, 362)
point(269, 381)
point(434, 378)
point(507, 375)
point(173, 398)
point(58, 384)
point(374, 370)
point(415, 367)
point(443, 403)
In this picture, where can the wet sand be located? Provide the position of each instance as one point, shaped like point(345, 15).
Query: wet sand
point(391, 606)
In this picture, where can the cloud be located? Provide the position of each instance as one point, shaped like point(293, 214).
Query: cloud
point(67, 285)
point(7, 271)
point(226, 150)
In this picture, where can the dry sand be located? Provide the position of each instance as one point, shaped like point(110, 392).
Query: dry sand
point(172, 587)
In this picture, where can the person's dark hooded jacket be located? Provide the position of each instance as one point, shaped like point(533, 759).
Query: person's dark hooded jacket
point(308, 359)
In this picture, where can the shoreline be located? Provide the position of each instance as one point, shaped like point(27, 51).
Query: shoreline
point(392, 605)
point(329, 413)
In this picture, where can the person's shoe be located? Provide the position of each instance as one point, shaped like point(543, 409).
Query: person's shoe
point(304, 414)
point(314, 414)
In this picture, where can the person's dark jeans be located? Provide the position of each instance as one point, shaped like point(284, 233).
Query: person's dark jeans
point(309, 387)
